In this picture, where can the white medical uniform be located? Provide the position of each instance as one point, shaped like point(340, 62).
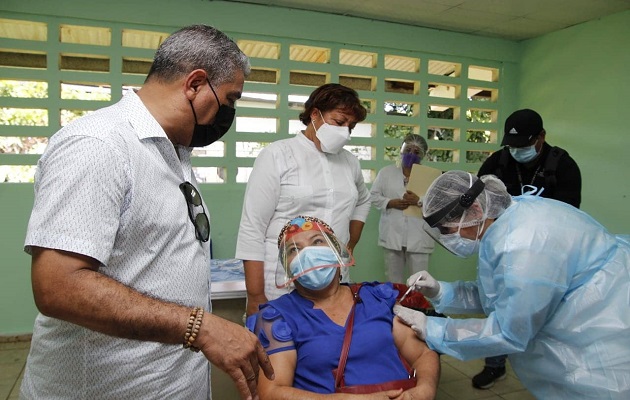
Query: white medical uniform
point(292, 177)
point(402, 236)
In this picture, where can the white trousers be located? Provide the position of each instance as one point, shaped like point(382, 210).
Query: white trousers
point(401, 264)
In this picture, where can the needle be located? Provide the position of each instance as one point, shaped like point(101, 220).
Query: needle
point(405, 295)
point(410, 289)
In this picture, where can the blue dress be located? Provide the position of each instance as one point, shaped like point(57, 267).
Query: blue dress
point(291, 323)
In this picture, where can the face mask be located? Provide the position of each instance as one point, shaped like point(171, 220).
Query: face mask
point(315, 256)
point(460, 246)
point(524, 154)
point(409, 159)
point(332, 137)
point(204, 135)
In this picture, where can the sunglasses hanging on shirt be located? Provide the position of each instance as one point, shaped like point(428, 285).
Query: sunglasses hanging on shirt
point(199, 219)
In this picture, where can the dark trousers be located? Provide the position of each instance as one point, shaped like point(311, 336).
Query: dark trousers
point(496, 361)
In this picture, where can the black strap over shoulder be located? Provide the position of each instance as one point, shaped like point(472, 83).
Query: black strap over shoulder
point(504, 158)
point(551, 165)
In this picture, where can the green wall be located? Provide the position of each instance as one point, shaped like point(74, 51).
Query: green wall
point(578, 79)
point(224, 201)
point(17, 309)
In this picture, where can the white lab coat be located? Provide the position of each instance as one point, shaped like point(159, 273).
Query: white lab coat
point(397, 230)
point(292, 177)
point(555, 286)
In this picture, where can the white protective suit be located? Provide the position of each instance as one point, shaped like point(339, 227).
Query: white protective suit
point(555, 286)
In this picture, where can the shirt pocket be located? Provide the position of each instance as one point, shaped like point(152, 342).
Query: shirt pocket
point(295, 198)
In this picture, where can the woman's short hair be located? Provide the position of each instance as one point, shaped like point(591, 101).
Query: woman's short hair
point(333, 96)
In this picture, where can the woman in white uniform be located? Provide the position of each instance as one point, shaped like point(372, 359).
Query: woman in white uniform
point(406, 245)
point(309, 174)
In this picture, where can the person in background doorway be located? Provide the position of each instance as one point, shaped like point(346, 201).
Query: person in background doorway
point(527, 160)
point(310, 173)
point(119, 238)
point(405, 243)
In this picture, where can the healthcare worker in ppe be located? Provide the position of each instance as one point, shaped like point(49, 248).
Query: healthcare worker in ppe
point(553, 282)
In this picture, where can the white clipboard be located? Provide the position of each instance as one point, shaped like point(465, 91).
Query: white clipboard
point(420, 179)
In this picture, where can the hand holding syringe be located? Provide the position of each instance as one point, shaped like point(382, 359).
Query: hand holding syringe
point(410, 289)
point(424, 283)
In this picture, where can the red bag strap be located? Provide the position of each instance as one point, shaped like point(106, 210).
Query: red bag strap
point(341, 366)
point(345, 349)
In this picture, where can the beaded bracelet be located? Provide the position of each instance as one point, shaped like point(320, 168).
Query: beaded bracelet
point(192, 330)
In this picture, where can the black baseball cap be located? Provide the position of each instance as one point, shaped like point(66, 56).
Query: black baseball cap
point(521, 127)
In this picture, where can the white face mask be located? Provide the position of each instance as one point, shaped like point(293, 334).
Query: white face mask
point(331, 137)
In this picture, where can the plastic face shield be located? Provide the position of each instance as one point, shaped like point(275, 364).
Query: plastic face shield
point(415, 144)
point(449, 219)
point(412, 148)
point(307, 244)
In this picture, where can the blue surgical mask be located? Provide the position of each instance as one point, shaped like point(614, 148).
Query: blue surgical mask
point(409, 159)
point(315, 256)
point(461, 247)
point(524, 154)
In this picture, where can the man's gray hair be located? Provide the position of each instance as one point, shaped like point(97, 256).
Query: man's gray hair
point(198, 47)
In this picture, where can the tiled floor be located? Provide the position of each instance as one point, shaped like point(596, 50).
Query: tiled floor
point(454, 382)
point(12, 360)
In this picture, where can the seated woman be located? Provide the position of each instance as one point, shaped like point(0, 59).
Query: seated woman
point(304, 331)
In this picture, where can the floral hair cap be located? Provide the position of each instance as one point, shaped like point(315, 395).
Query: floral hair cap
point(302, 224)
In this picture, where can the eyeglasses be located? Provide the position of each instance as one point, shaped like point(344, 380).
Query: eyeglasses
point(200, 219)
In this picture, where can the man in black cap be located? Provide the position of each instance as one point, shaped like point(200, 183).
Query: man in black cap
point(526, 159)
